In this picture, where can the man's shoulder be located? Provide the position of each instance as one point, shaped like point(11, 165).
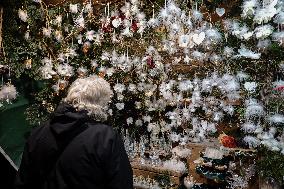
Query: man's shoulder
point(101, 129)
point(38, 130)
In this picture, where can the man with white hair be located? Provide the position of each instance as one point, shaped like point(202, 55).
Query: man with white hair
point(74, 149)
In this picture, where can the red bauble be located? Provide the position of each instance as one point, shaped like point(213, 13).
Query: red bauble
point(150, 62)
point(227, 141)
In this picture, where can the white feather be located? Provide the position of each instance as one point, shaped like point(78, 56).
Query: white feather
point(276, 119)
point(252, 141)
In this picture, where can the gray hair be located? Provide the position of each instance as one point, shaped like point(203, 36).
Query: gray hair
point(91, 94)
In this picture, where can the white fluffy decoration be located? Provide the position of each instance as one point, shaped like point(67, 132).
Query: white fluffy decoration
point(249, 8)
point(253, 109)
point(8, 92)
point(252, 141)
point(249, 127)
point(213, 153)
point(47, 71)
point(276, 119)
point(46, 32)
point(80, 21)
point(119, 88)
point(183, 41)
point(246, 53)
point(129, 120)
point(264, 31)
point(65, 70)
point(73, 8)
point(278, 36)
point(250, 86)
point(242, 76)
point(264, 15)
point(23, 15)
point(228, 51)
point(279, 18)
point(197, 15)
point(119, 106)
point(263, 44)
point(181, 152)
point(175, 165)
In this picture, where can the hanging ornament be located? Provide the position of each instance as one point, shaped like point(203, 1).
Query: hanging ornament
point(62, 84)
point(86, 47)
point(150, 62)
point(227, 141)
point(198, 38)
point(220, 11)
point(116, 22)
point(28, 63)
point(23, 15)
point(82, 72)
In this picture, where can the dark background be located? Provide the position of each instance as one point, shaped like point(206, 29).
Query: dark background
point(7, 173)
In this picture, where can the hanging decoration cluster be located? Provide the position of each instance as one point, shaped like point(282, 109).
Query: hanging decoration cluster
point(177, 76)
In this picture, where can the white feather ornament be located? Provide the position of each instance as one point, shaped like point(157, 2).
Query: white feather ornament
point(252, 141)
point(175, 165)
point(253, 109)
point(65, 70)
point(47, 71)
point(279, 18)
point(264, 15)
point(119, 88)
point(218, 116)
point(197, 16)
point(46, 32)
point(73, 8)
point(263, 44)
point(90, 35)
point(185, 85)
point(153, 22)
point(199, 56)
point(23, 15)
point(119, 106)
point(228, 51)
point(276, 119)
point(8, 92)
point(249, 127)
point(174, 9)
point(242, 76)
point(279, 37)
point(181, 152)
point(80, 21)
point(246, 53)
point(264, 31)
point(250, 86)
point(249, 8)
point(213, 35)
point(129, 121)
point(183, 41)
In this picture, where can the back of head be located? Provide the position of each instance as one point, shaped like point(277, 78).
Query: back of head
point(91, 94)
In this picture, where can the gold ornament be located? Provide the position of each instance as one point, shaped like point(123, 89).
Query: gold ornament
point(28, 63)
point(86, 48)
point(102, 74)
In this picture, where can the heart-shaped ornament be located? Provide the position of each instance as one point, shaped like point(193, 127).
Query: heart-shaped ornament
point(220, 11)
point(116, 22)
point(198, 38)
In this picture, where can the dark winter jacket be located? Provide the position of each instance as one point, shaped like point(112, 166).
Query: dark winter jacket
point(73, 152)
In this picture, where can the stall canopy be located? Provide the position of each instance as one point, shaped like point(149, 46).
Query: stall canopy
point(13, 129)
